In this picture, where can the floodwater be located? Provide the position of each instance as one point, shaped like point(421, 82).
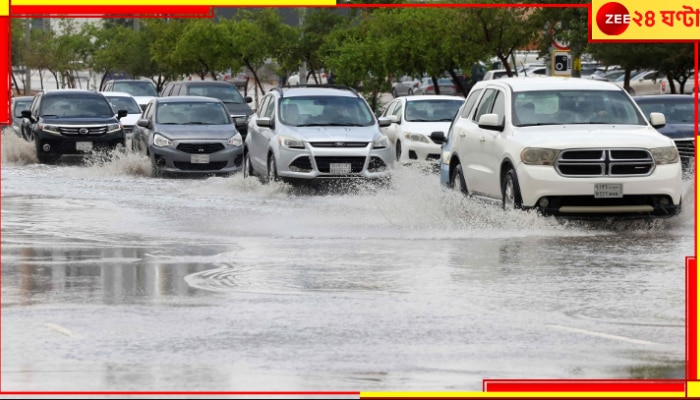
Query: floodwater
point(116, 281)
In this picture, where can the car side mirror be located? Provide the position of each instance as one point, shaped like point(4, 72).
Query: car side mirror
point(27, 114)
point(264, 122)
point(394, 119)
point(490, 122)
point(122, 113)
point(248, 99)
point(144, 122)
point(657, 120)
point(438, 137)
point(384, 121)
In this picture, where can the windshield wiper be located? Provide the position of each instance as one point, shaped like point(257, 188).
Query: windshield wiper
point(540, 124)
point(196, 123)
point(49, 115)
point(344, 124)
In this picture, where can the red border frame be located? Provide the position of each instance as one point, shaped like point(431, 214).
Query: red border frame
point(489, 385)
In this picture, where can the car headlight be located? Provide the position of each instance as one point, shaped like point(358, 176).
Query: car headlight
point(113, 127)
point(417, 137)
point(291, 142)
point(381, 143)
point(539, 156)
point(49, 128)
point(665, 155)
point(162, 141)
point(236, 140)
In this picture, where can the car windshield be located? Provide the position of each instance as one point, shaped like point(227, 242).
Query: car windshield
point(135, 88)
point(192, 113)
point(226, 92)
point(124, 103)
point(76, 106)
point(676, 111)
point(21, 105)
point(574, 107)
point(325, 111)
point(431, 110)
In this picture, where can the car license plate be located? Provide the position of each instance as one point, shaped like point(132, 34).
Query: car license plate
point(83, 146)
point(607, 190)
point(340, 169)
point(199, 159)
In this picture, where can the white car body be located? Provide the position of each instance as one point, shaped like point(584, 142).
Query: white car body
point(129, 122)
point(551, 158)
point(411, 139)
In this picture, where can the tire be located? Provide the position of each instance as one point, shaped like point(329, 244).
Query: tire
point(512, 199)
point(398, 150)
point(247, 166)
point(272, 169)
point(410, 92)
point(393, 93)
point(457, 181)
point(156, 171)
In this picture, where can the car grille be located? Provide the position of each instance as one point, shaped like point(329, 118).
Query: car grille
point(200, 148)
point(686, 148)
point(88, 130)
point(214, 166)
point(339, 144)
point(356, 163)
point(605, 162)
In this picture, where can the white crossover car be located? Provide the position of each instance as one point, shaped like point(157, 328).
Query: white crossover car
point(563, 146)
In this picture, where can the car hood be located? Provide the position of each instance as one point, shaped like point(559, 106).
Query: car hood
point(332, 133)
point(678, 131)
point(587, 136)
point(239, 109)
point(79, 120)
point(130, 119)
point(143, 99)
point(426, 127)
point(184, 132)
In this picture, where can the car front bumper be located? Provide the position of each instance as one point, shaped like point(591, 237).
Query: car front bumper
point(171, 160)
point(321, 162)
point(68, 144)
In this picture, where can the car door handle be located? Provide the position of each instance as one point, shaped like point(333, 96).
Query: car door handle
point(483, 139)
point(462, 134)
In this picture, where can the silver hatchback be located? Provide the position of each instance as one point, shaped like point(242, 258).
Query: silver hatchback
point(309, 133)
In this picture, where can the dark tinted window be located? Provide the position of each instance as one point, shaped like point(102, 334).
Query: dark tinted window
point(76, 106)
point(676, 111)
point(192, 113)
point(226, 92)
point(135, 88)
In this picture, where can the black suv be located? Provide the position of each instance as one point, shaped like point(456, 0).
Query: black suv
point(236, 104)
point(72, 121)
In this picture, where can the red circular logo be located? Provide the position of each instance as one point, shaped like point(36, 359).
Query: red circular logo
point(612, 18)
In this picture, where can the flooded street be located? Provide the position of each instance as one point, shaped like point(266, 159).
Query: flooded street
point(116, 281)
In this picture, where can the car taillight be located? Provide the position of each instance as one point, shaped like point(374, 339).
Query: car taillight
point(663, 86)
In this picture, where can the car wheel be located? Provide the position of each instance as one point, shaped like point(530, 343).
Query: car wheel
point(272, 169)
point(44, 157)
point(410, 92)
point(512, 200)
point(156, 171)
point(398, 150)
point(247, 166)
point(393, 93)
point(457, 181)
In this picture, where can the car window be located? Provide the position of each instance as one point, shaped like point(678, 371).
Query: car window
point(325, 111)
point(226, 93)
point(263, 105)
point(680, 111)
point(148, 112)
point(135, 88)
point(432, 110)
point(124, 103)
point(469, 103)
point(21, 105)
point(574, 107)
point(76, 106)
point(389, 109)
point(485, 104)
point(270, 110)
point(398, 110)
point(192, 113)
point(499, 107)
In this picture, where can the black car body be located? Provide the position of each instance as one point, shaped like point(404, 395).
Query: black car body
point(16, 107)
point(679, 110)
point(72, 121)
point(236, 104)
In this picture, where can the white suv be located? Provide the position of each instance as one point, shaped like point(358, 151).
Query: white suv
point(564, 146)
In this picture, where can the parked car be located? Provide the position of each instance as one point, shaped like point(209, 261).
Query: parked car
point(143, 90)
point(404, 86)
point(679, 110)
point(447, 87)
point(191, 135)
point(419, 124)
point(495, 74)
point(609, 75)
point(311, 133)
point(16, 106)
point(321, 79)
point(72, 121)
point(563, 146)
point(236, 104)
point(125, 101)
